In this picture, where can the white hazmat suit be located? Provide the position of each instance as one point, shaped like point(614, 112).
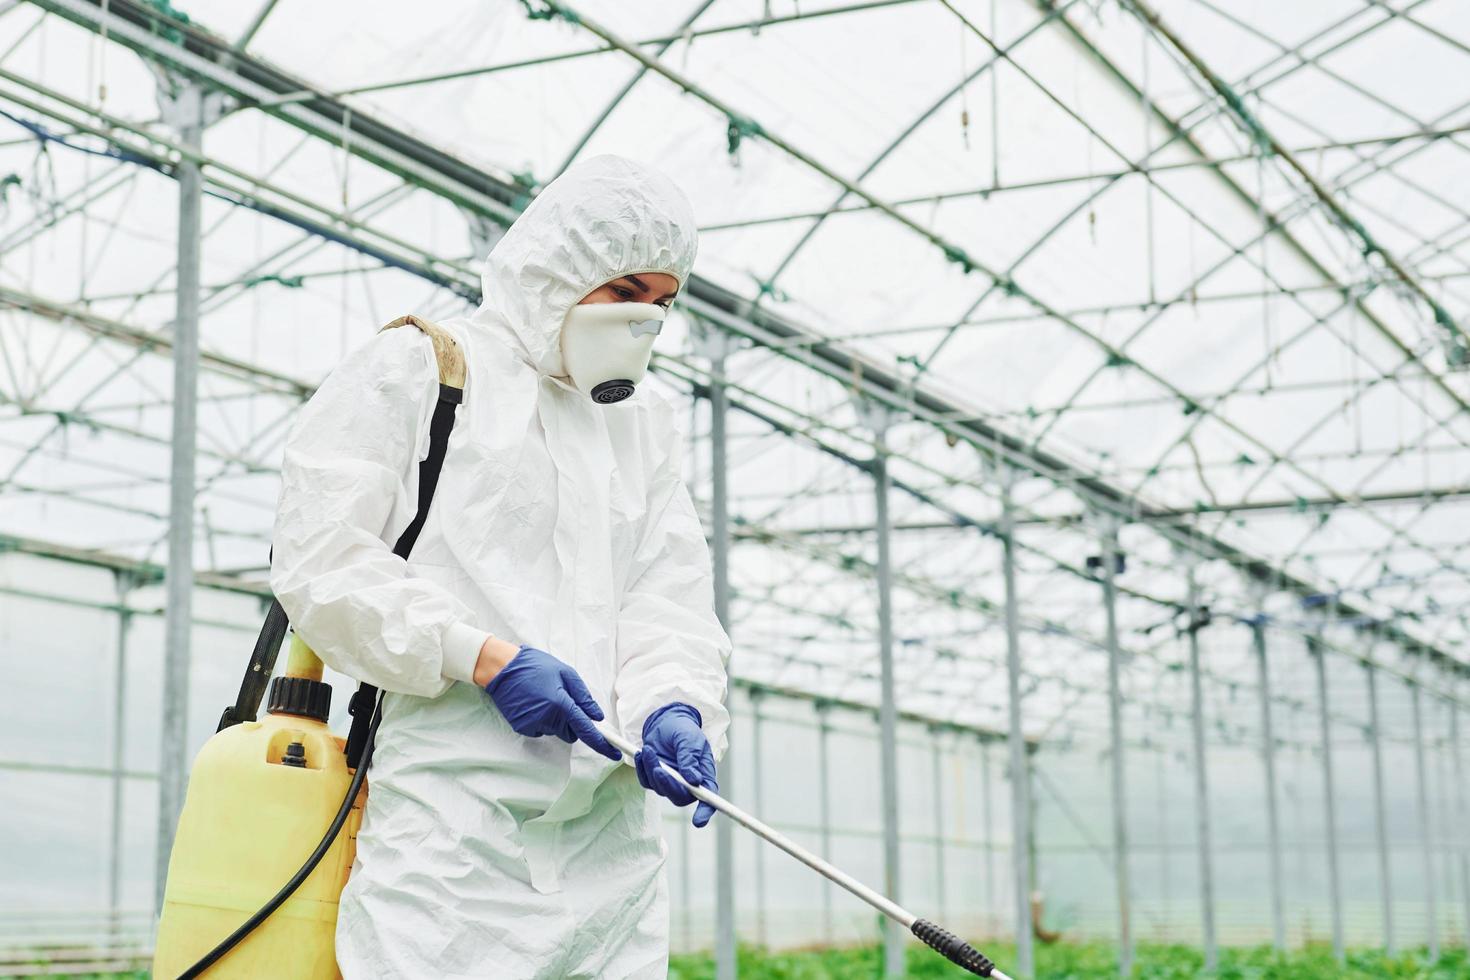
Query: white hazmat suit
point(557, 523)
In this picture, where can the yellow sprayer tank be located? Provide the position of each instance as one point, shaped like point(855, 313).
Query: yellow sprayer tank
point(261, 795)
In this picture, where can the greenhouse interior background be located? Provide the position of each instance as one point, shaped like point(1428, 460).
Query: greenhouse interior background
point(1076, 398)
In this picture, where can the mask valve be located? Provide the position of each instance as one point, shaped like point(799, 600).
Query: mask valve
point(606, 347)
point(612, 392)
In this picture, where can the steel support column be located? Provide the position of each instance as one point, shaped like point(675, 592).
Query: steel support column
point(252, 81)
point(1033, 859)
point(988, 829)
point(718, 344)
point(1201, 780)
point(1380, 810)
point(1268, 761)
point(119, 734)
point(824, 813)
point(1421, 780)
point(894, 938)
point(179, 580)
point(1165, 845)
point(1015, 741)
point(758, 806)
point(1110, 556)
point(1318, 654)
point(1457, 761)
point(938, 779)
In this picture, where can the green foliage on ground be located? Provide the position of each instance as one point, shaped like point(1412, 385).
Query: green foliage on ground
point(1066, 961)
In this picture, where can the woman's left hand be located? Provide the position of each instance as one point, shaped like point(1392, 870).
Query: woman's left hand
point(673, 735)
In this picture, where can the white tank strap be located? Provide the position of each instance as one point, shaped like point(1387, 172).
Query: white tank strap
point(446, 349)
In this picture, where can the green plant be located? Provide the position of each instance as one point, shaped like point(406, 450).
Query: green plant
point(1092, 961)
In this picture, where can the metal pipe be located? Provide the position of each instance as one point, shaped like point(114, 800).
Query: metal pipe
point(824, 805)
point(1457, 762)
point(890, 908)
point(1033, 859)
point(119, 733)
point(1422, 789)
point(725, 967)
point(893, 938)
point(1268, 760)
point(938, 780)
point(1444, 818)
point(685, 30)
point(988, 829)
point(1166, 846)
point(1115, 717)
point(1329, 799)
point(1380, 811)
point(1201, 779)
point(411, 158)
point(256, 23)
point(179, 580)
point(1260, 135)
point(758, 799)
point(1016, 743)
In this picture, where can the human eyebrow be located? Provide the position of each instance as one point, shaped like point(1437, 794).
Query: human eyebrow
point(643, 287)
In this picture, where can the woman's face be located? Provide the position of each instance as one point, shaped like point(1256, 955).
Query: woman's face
point(657, 288)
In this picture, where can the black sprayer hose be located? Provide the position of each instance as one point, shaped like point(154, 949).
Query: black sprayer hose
point(234, 938)
point(953, 948)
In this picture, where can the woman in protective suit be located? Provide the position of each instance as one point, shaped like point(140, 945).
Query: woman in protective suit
point(561, 579)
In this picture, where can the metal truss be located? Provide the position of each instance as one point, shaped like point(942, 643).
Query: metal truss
point(807, 344)
point(980, 530)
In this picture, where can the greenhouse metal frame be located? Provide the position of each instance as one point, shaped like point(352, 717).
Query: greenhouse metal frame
point(890, 544)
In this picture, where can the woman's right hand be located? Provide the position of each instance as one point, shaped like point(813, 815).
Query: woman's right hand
point(540, 695)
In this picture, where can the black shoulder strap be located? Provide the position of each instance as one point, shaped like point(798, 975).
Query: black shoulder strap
point(366, 697)
point(268, 644)
point(258, 674)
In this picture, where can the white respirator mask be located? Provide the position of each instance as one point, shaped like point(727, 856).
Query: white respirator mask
point(606, 347)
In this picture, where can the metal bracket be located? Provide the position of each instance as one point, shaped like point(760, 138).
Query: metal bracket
point(1107, 524)
point(708, 341)
point(126, 580)
point(184, 103)
point(874, 415)
point(1095, 564)
point(1007, 476)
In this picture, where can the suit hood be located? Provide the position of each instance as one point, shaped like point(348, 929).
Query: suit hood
point(604, 218)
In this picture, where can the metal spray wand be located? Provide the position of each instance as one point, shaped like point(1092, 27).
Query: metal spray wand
point(947, 944)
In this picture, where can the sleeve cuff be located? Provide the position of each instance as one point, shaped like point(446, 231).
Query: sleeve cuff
point(462, 651)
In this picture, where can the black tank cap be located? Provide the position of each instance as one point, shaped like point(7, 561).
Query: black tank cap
point(300, 696)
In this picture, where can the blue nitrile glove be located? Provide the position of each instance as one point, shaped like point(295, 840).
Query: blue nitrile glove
point(672, 734)
point(540, 695)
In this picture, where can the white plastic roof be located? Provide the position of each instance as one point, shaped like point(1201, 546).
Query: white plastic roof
point(1035, 211)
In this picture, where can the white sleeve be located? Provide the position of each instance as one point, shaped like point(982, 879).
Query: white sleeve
point(670, 644)
point(351, 456)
